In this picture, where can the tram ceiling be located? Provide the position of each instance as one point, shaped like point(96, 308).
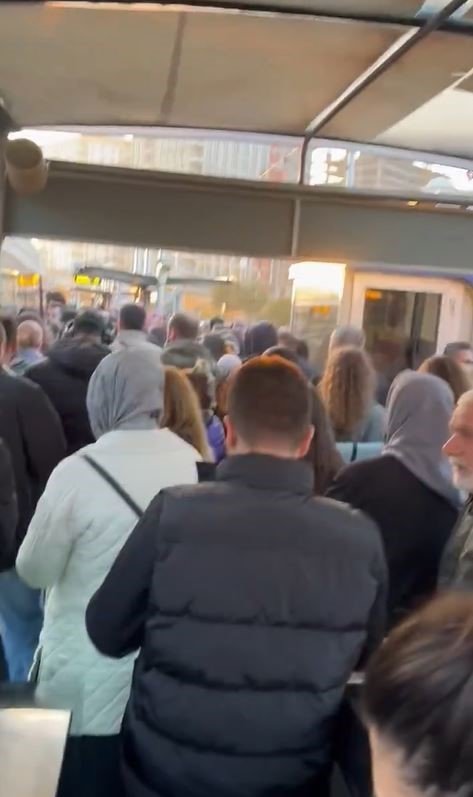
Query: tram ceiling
point(93, 64)
point(160, 210)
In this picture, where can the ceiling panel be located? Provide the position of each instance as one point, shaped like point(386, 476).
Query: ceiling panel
point(269, 77)
point(227, 70)
point(430, 68)
point(443, 125)
point(388, 8)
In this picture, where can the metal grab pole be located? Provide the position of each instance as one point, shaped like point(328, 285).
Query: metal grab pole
point(391, 56)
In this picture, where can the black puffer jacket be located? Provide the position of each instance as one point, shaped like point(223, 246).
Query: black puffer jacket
point(253, 602)
point(31, 430)
point(64, 377)
point(8, 510)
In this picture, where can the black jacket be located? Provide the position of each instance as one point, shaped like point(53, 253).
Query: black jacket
point(415, 524)
point(64, 377)
point(31, 430)
point(253, 602)
point(8, 510)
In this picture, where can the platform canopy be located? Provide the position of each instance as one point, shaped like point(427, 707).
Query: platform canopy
point(272, 66)
point(398, 73)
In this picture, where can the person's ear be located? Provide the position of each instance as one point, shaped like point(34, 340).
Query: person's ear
point(305, 444)
point(231, 439)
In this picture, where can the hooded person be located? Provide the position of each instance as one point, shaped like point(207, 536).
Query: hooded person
point(259, 338)
point(408, 490)
point(91, 504)
point(65, 373)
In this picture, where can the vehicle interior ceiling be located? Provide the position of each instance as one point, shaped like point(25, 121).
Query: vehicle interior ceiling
point(397, 75)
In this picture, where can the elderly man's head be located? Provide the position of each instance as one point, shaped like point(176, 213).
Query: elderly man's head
point(347, 336)
point(459, 447)
point(29, 335)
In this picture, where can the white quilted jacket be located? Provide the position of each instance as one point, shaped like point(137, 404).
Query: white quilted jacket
point(78, 529)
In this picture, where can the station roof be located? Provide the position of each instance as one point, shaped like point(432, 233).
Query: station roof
point(273, 66)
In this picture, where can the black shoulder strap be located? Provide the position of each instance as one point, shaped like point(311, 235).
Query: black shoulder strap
point(114, 485)
point(354, 452)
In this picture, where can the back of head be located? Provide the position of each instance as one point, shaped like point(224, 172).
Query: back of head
point(216, 323)
point(284, 352)
point(259, 338)
point(287, 339)
point(132, 317)
point(269, 409)
point(347, 336)
point(88, 324)
point(55, 297)
point(215, 345)
point(348, 389)
point(126, 391)
point(182, 413)
point(30, 335)
point(450, 371)
point(418, 702)
point(10, 326)
point(183, 327)
point(454, 348)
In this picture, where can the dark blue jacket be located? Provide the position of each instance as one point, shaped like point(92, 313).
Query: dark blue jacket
point(252, 603)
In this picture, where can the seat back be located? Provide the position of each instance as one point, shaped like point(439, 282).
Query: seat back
point(356, 452)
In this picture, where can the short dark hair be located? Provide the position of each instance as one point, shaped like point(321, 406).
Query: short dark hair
point(419, 694)
point(133, 316)
point(55, 297)
point(88, 322)
point(10, 326)
point(216, 321)
point(184, 326)
point(456, 346)
point(269, 398)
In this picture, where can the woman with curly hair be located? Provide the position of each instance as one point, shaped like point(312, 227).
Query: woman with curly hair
point(348, 389)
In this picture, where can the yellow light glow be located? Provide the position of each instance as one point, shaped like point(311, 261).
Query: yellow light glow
point(327, 278)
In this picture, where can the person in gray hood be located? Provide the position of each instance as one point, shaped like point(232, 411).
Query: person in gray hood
point(408, 490)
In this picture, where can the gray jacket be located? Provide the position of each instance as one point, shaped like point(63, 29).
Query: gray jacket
point(132, 339)
point(456, 569)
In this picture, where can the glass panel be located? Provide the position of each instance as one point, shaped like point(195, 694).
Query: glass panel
point(194, 282)
point(401, 331)
point(384, 170)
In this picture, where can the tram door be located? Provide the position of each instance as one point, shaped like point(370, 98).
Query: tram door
point(401, 330)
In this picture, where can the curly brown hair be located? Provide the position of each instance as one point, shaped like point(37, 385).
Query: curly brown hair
point(348, 389)
point(448, 370)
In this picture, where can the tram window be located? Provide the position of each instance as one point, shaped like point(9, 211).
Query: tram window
point(401, 329)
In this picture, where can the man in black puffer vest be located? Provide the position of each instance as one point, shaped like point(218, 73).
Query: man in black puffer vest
point(252, 602)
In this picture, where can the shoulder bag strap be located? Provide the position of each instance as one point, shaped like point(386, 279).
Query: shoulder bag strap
point(114, 485)
point(354, 452)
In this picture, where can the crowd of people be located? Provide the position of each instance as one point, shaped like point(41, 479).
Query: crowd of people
point(189, 563)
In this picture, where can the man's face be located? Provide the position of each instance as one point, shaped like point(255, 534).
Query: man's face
point(459, 448)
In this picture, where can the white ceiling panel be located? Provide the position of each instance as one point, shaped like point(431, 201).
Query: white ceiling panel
point(229, 70)
point(441, 125)
point(422, 74)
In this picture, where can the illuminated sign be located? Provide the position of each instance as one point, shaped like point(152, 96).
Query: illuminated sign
point(28, 280)
point(84, 280)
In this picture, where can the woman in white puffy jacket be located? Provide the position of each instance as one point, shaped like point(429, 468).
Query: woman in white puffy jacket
point(90, 506)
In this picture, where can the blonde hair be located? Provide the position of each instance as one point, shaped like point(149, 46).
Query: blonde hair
point(348, 389)
point(182, 413)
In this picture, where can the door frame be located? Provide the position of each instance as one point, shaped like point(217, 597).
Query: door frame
point(451, 321)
